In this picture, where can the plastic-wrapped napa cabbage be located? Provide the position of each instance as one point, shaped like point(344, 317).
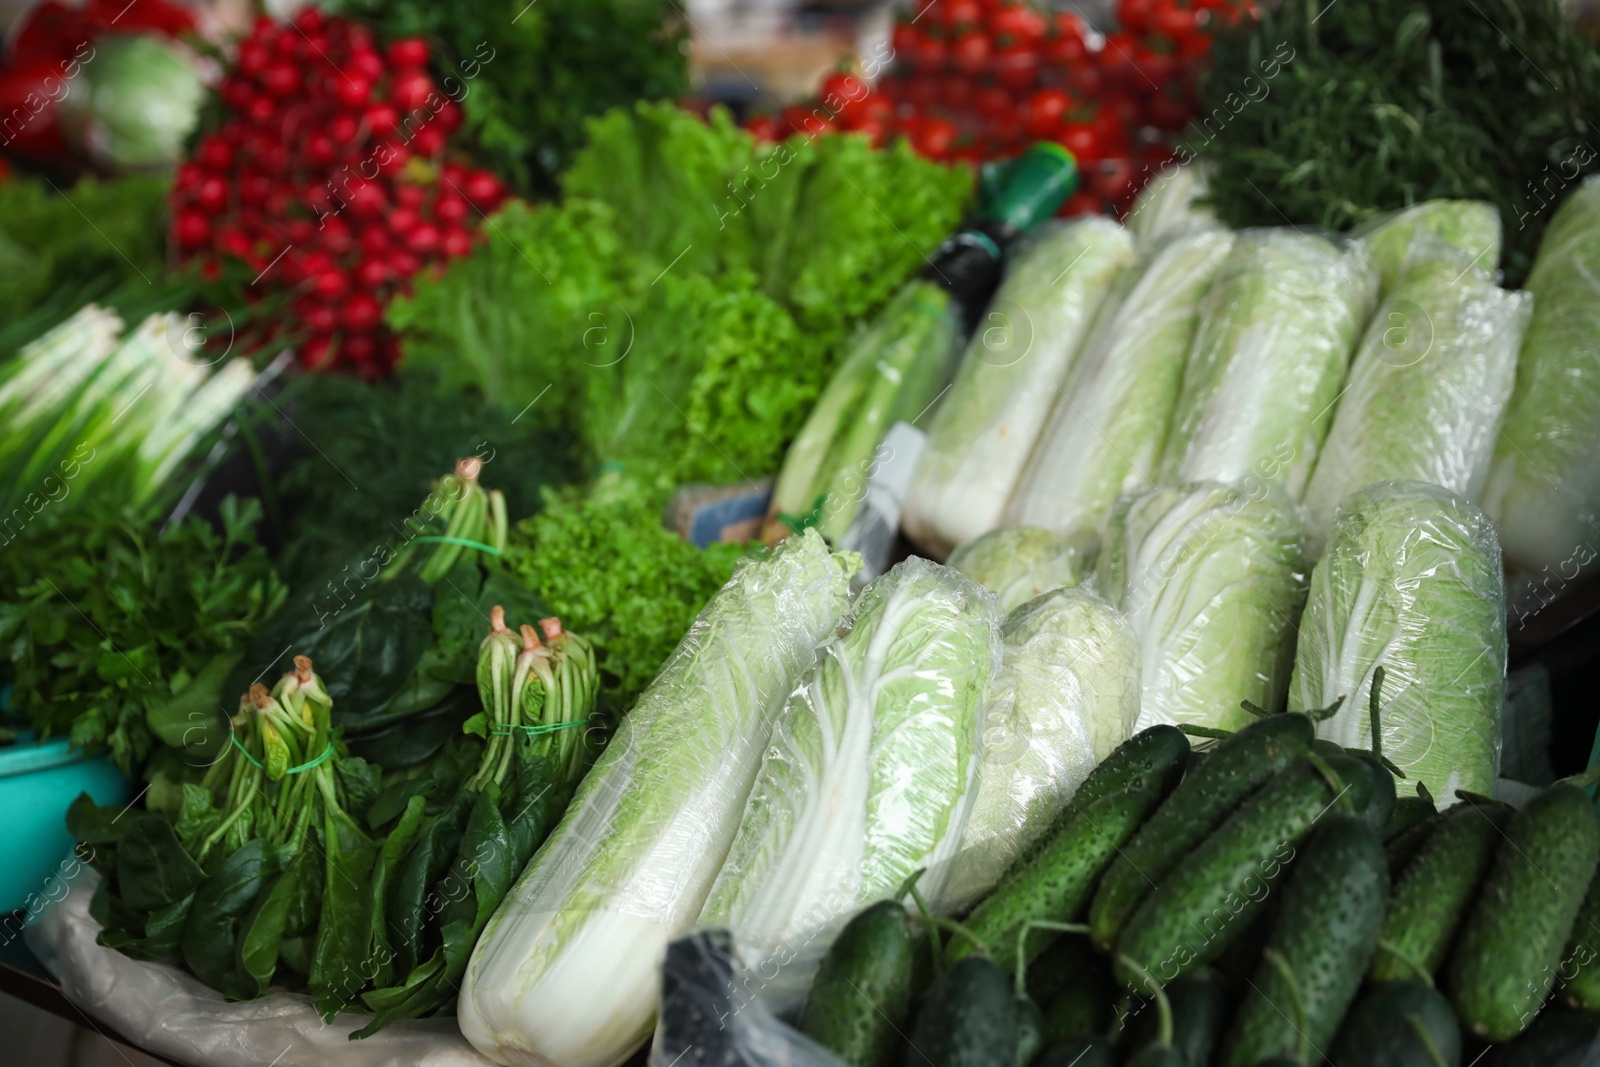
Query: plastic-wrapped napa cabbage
point(1067, 694)
point(1212, 577)
point(1106, 433)
point(1473, 226)
point(1018, 563)
point(567, 973)
point(869, 776)
point(1169, 205)
point(1009, 378)
point(1411, 581)
point(1544, 486)
point(1427, 386)
point(1276, 334)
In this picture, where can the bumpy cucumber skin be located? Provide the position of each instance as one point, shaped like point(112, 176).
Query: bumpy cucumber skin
point(1333, 907)
point(1210, 898)
point(1509, 951)
point(1055, 883)
point(1200, 1009)
point(1436, 889)
point(1381, 1030)
point(1055, 879)
point(1234, 769)
point(862, 990)
point(968, 1020)
point(1380, 807)
point(1150, 757)
point(1581, 961)
point(1403, 845)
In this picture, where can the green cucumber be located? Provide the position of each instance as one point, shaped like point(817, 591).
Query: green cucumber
point(1380, 808)
point(1408, 812)
point(1054, 881)
point(968, 1020)
point(862, 991)
point(1081, 993)
point(1581, 960)
point(1559, 1038)
point(1402, 846)
point(1085, 1051)
point(1399, 1024)
point(1506, 958)
point(1200, 1010)
point(1210, 898)
point(1333, 907)
point(1232, 770)
point(1436, 889)
point(1030, 1031)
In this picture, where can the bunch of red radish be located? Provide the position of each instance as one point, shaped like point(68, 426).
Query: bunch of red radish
point(975, 80)
point(329, 181)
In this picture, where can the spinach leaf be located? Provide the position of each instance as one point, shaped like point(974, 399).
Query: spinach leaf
point(341, 965)
point(211, 934)
point(395, 848)
point(263, 927)
point(409, 901)
point(153, 869)
point(94, 825)
point(364, 637)
point(163, 934)
point(415, 740)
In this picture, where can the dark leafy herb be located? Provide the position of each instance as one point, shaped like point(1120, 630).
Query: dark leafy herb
point(106, 622)
point(1331, 114)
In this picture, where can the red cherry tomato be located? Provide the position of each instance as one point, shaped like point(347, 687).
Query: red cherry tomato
point(358, 348)
point(872, 109)
point(317, 353)
point(1017, 21)
point(330, 284)
point(1085, 80)
point(193, 229)
point(763, 127)
point(367, 64)
point(904, 41)
point(1080, 203)
point(335, 235)
point(429, 141)
point(1081, 140)
point(456, 243)
point(993, 101)
point(374, 241)
point(1064, 50)
point(959, 16)
point(956, 93)
point(929, 54)
point(1044, 111)
point(1156, 66)
point(51, 30)
point(842, 92)
point(450, 208)
point(970, 53)
point(1017, 65)
point(1135, 14)
point(1111, 178)
point(352, 90)
point(410, 90)
point(1174, 22)
point(934, 138)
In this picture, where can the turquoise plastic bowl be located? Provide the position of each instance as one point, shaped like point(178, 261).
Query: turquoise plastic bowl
point(38, 781)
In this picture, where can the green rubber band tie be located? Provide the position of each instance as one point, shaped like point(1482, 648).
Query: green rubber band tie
point(292, 770)
point(479, 545)
point(506, 730)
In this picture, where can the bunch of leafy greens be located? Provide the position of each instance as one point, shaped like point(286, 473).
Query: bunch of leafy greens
point(610, 570)
point(110, 630)
point(59, 248)
point(1376, 106)
point(685, 303)
point(527, 75)
point(370, 452)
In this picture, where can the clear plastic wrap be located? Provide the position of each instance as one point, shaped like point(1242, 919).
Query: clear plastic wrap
point(1018, 563)
point(1427, 386)
point(1473, 226)
point(173, 1014)
point(872, 769)
point(1009, 377)
point(566, 973)
point(1212, 577)
point(1276, 334)
point(1170, 204)
point(1411, 582)
point(1066, 695)
point(1544, 486)
point(1105, 434)
point(712, 1017)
